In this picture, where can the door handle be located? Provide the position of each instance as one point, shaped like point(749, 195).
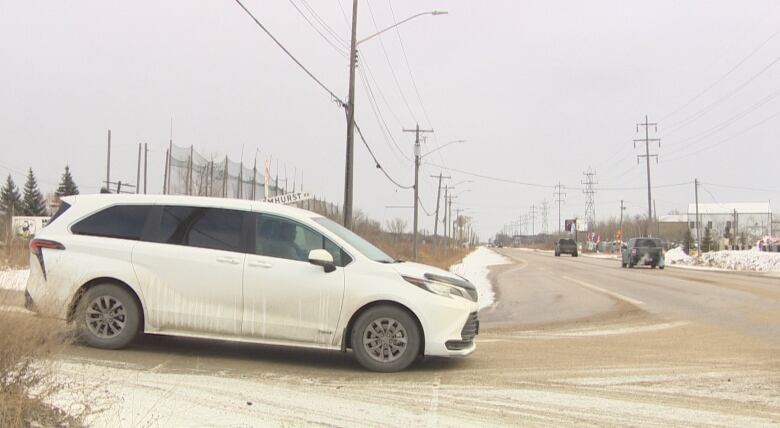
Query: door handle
point(230, 260)
point(256, 263)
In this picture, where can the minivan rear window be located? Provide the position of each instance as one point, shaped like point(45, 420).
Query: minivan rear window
point(60, 211)
point(119, 221)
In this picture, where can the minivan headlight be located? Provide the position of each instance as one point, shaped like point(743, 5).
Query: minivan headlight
point(437, 287)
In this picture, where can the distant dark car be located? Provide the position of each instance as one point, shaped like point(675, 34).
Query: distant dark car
point(566, 246)
point(643, 252)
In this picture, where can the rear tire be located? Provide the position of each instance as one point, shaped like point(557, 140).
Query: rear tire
point(385, 339)
point(108, 317)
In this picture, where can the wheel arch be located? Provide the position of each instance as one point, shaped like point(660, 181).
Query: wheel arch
point(346, 337)
point(74, 302)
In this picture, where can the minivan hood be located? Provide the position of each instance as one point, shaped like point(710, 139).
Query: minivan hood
point(419, 270)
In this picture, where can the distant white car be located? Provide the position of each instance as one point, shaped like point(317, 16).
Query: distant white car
point(117, 265)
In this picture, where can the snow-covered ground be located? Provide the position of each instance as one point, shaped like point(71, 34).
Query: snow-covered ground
point(756, 261)
point(13, 279)
point(476, 267)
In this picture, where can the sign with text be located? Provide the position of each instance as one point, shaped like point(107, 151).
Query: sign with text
point(288, 198)
point(27, 226)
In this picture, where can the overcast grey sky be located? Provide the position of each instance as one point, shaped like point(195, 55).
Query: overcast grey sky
point(541, 91)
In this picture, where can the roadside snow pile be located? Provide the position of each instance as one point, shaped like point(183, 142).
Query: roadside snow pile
point(13, 279)
point(756, 261)
point(677, 256)
point(476, 267)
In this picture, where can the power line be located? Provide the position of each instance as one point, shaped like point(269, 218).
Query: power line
point(705, 110)
point(341, 50)
point(292, 57)
point(755, 125)
point(322, 85)
point(726, 123)
point(754, 189)
point(390, 66)
point(723, 77)
point(371, 152)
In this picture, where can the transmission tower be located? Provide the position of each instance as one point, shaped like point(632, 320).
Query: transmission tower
point(560, 197)
point(532, 215)
point(545, 212)
point(590, 196)
point(647, 140)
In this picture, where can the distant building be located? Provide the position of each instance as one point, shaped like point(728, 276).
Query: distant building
point(739, 223)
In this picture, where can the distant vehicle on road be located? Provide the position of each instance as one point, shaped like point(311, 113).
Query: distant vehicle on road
point(566, 246)
point(643, 251)
point(121, 265)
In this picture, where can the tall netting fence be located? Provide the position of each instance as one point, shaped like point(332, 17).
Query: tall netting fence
point(191, 173)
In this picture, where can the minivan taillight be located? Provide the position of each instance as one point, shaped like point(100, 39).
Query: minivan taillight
point(37, 244)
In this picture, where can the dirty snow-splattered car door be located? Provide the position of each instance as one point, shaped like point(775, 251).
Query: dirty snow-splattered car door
point(286, 297)
point(191, 277)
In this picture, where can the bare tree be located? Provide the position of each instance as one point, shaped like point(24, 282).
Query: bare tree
point(396, 227)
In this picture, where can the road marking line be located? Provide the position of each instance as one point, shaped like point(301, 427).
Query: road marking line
point(607, 292)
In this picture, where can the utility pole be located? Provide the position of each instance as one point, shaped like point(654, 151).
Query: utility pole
point(532, 214)
point(545, 212)
point(560, 197)
point(417, 156)
point(698, 223)
point(436, 216)
point(590, 200)
point(138, 172)
point(622, 208)
point(108, 161)
point(146, 165)
point(647, 140)
point(452, 223)
point(348, 170)
point(445, 216)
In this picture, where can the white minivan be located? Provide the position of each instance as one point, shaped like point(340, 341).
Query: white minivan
point(117, 265)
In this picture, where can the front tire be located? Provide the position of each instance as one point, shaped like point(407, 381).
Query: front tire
point(385, 339)
point(108, 317)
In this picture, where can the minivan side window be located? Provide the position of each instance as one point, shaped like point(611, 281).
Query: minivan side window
point(286, 239)
point(119, 221)
point(214, 228)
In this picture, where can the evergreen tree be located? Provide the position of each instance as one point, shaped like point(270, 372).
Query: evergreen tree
point(706, 242)
point(33, 203)
point(67, 186)
point(10, 199)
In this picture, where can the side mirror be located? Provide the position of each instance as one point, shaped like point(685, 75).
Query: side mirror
point(322, 258)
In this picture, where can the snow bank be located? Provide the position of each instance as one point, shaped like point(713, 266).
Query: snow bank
point(14, 279)
point(756, 261)
point(476, 267)
point(677, 256)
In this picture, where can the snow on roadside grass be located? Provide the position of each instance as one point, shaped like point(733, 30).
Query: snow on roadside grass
point(755, 261)
point(14, 279)
point(476, 267)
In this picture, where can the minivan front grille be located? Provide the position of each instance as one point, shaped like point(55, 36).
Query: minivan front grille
point(471, 328)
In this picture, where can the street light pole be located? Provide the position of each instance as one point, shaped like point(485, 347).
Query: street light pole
point(350, 107)
point(348, 169)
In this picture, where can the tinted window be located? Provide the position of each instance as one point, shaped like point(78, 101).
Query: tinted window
point(286, 239)
point(213, 228)
point(121, 221)
point(174, 222)
point(566, 241)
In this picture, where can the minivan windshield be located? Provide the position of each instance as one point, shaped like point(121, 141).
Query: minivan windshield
point(360, 244)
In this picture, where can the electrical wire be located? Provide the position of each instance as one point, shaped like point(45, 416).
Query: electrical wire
point(710, 106)
point(333, 96)
point(371, 152)
point(723, 77)
point(322, 85)
point(709, 146)
point(340, 50)
point(390, 66)
point(754, 189)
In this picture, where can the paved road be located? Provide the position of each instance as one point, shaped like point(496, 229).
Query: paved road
point(571, 342)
